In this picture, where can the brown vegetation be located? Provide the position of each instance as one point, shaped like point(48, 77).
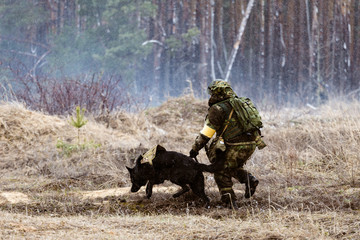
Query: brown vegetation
point(309, 176)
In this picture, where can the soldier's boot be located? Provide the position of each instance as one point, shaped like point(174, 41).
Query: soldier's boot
point(251, 186)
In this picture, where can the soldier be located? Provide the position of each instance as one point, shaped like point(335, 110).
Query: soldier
point(232, 147)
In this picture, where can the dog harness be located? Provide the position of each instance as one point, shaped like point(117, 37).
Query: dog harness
point(149, 156)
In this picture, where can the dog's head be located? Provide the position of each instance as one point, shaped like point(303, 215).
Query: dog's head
point(138, 175)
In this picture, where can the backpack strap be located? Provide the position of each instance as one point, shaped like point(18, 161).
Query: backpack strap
point(227, 123)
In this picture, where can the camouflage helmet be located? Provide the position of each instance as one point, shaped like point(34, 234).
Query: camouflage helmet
point(220, 88)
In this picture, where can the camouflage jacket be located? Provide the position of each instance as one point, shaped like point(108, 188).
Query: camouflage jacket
point(215, 122)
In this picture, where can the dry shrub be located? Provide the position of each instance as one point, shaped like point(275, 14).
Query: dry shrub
point(98, 93)
point(324, 140)
point(312, 159)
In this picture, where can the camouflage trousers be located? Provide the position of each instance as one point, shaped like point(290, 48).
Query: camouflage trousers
point(234, 159)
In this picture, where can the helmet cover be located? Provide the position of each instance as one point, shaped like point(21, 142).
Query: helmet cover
point(220, 88)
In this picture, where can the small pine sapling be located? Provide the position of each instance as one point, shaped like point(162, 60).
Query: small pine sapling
point(79, 122)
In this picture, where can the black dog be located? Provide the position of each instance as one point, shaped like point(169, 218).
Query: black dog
point(176, 167)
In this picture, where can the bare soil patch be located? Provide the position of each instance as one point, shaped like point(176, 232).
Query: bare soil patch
point(13, 198)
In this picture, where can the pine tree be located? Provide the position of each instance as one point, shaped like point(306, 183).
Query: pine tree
point(79, 122)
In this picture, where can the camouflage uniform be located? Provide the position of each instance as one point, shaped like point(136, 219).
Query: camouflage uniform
point(239, 146)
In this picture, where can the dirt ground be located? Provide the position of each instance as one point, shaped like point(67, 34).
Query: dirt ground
point(309, 176)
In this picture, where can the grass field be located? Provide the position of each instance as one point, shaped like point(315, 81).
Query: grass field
point(52, 189)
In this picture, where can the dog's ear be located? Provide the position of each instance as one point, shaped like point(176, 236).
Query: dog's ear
point(160, 148)
point(129, 169)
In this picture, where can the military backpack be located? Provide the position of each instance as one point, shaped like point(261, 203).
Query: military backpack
point(247, 115)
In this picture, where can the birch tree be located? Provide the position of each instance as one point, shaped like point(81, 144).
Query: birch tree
point(238, 39)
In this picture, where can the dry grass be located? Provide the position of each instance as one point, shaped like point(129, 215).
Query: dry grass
point(309, 176)
point(279, 225)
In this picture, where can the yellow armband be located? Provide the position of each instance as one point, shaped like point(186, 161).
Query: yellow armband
point(207, 131)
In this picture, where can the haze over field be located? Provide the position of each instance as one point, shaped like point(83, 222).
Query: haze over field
point(54, 53)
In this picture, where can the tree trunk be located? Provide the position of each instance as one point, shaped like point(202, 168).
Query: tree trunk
point(300, 34)
point(212, 42)
point(204, 46)
point(355, 56)
point(238, 39)
point(333, 75)
point(346, 45)
point(221, 53)
point(159, 33)
point(270, 45)
point(262, 51)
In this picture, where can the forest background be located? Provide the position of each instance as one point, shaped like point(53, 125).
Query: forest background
point(108, 54)
point(118, 57)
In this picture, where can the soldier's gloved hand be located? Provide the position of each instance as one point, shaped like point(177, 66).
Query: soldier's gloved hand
point(193, 153)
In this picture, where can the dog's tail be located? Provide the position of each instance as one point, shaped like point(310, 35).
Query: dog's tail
point(211, 168)
point(202, 167)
